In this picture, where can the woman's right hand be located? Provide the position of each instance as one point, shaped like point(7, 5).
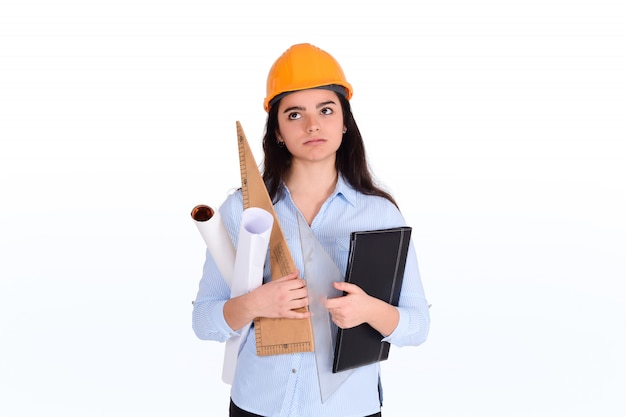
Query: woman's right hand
point(281, 297)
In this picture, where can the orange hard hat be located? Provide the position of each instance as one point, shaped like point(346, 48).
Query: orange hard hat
point(304, 66)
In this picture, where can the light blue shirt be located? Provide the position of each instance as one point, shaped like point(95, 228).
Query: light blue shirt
point(287, 385)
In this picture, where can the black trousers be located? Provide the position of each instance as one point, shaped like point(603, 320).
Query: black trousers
point(238, 412)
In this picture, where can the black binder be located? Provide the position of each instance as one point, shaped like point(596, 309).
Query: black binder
point(376, 264)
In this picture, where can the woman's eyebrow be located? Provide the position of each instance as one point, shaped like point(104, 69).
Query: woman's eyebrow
point(325, 103)
point(292, 108)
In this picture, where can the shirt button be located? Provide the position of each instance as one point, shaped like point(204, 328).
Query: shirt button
point(293, 371)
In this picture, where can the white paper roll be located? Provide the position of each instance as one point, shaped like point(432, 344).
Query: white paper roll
point(253, 241)
point(217, 240)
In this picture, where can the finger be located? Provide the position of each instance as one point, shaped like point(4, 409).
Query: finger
point(298, 294)
point(333, 303)
point(347, 287)
point(299, 303)
point(287, 277)
point(298, 310)
point(296, 284)
point(297, 314)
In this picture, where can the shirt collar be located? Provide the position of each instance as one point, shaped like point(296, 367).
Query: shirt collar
point(344, 190)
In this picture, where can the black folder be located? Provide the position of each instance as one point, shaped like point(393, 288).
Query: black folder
point(376, 264)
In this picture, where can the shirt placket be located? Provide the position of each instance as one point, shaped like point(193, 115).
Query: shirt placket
point(291, 402)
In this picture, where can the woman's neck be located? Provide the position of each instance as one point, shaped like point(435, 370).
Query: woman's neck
point(311, 179)
point(310, 187)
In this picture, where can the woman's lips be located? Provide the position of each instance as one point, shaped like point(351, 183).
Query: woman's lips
point(314, 141)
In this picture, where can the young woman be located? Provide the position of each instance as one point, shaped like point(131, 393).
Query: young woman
point(314, 166)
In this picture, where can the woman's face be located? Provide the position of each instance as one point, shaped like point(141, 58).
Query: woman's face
point(310, 123)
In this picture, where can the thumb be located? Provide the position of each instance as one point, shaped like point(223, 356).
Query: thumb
point(347, 287)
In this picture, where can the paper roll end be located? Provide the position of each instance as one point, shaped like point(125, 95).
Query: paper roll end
point(202, 213)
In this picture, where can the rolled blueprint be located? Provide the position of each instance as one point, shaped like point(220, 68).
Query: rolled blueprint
point(252, 248)
point(216, 238)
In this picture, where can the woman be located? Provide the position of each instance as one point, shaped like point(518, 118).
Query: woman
point(314, 166)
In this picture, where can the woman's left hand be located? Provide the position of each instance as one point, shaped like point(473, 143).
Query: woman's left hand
point(357, 307)
point(351, 309)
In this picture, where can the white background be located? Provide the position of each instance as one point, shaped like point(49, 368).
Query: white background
point(499, 126)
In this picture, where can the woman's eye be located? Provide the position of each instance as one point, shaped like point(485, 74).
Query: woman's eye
point(327, 110)
point(293, 116)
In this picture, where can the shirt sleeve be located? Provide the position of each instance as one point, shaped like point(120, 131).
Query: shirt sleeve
point(414, 323)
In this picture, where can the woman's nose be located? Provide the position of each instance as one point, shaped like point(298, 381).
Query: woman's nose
point(312, 124)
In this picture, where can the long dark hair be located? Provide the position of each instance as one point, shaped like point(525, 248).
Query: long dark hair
point(350, 162)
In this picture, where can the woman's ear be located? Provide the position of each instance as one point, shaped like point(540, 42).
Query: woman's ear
point(279, 140)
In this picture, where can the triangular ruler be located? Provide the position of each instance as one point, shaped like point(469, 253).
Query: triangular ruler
point(320, 272)
point(273, 336)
